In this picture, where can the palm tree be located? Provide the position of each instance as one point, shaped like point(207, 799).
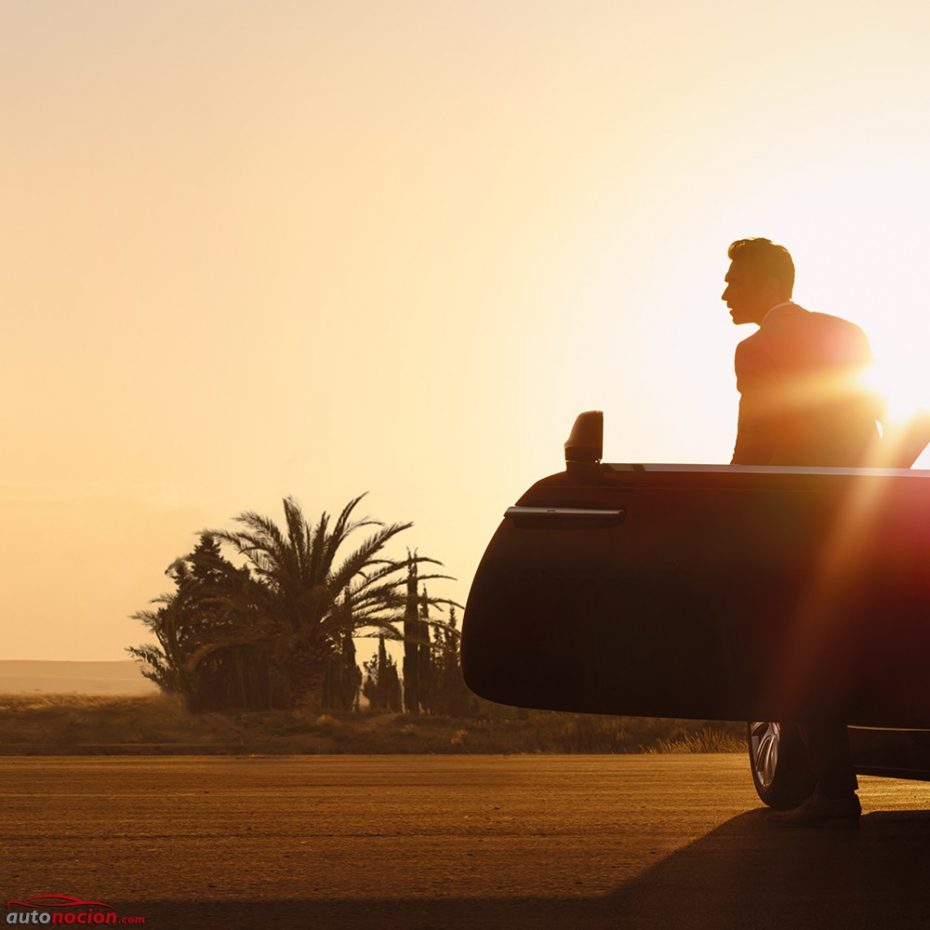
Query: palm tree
point(310, 598)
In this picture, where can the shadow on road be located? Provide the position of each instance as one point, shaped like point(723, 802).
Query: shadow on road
point(748, 873)
point(745, 874)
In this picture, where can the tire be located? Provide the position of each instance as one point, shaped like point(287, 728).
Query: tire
point(778, 762)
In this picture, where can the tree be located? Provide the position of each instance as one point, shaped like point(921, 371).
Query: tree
point(417, 649)
point(301, 584)
point(382, 684)
point(204, 630)
point(412, 642)
point(278, 631)
point(343, 678)
point(450, 695)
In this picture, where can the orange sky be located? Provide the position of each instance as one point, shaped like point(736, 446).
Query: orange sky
point(253, 250)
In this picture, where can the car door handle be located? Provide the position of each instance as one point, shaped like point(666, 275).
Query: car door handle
point(557, 516)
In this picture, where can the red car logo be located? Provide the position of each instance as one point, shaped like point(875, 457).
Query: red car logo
point(56, 900)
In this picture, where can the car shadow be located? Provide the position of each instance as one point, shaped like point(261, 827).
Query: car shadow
point(747, 873)
point(750, 873)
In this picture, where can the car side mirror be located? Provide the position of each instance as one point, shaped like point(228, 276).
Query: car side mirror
point(585, 444)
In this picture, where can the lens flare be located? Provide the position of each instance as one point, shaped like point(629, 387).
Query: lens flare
point(904, 389)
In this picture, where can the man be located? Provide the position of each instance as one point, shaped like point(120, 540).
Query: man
point(801, 403)
point(801, 400)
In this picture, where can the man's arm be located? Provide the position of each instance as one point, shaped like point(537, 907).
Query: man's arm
point(754, 444)
point(755, 435)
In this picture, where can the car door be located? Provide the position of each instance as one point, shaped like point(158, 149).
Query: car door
point(716, 592)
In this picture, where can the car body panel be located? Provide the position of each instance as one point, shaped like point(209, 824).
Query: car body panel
point(711, 592)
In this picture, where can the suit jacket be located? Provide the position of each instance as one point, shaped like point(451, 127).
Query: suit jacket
point(801, 398)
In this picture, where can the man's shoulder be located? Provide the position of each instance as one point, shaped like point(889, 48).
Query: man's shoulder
point(836, 324)
point(782, 322)
point(793, 334)
point(794, 323)
point(842, 341)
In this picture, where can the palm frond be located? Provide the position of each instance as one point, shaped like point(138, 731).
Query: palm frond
point(384, 570)
point(422, 578)
point(227, 642)
point(437, 601)
point(317, 568)
point(293, 554)
point(362, 556)
point(343, 528)
point(387, 631)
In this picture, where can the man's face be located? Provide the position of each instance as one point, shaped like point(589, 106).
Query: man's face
point(748, 294)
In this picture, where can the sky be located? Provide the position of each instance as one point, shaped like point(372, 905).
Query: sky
point(253, 250)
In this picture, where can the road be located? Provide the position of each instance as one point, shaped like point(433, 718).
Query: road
point(452, 842)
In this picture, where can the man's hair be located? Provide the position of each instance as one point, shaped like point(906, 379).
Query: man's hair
point(764, 258)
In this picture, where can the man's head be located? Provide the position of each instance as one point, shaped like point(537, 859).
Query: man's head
point(761, 275)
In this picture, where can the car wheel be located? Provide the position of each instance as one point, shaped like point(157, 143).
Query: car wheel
point(778, 761)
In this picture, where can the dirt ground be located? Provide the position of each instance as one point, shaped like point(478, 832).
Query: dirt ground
point(452, 841)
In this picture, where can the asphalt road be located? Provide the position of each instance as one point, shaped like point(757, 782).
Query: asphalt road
point(452, 842)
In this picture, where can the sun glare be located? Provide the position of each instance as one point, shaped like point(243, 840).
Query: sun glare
point(905, 390)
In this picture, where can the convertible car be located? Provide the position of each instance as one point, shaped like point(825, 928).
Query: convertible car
point(771, 595)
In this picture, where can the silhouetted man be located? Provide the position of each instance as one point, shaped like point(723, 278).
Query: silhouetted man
point(801, 403)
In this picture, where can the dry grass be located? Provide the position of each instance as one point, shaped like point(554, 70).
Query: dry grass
point(705, 740)
point(66, 724)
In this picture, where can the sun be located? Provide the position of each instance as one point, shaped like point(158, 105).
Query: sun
point(905, 393)
point(904, 388)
